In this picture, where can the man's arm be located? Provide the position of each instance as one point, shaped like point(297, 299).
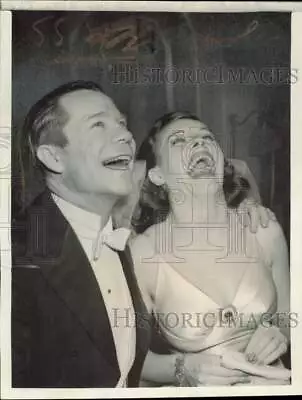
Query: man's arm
point(23, 316)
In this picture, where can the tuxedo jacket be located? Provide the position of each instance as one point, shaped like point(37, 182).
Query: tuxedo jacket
point(61, 334)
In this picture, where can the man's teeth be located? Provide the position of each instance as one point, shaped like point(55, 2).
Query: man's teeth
point(125, 160)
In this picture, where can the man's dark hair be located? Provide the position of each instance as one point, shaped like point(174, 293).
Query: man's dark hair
point(45, 120)
point(43, 125)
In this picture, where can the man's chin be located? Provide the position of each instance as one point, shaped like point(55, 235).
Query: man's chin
point(123, 188)
point(120, 182)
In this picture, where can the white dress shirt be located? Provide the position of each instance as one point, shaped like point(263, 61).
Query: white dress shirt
point(98, 245)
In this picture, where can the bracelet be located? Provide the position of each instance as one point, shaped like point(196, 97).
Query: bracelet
point(180, 370)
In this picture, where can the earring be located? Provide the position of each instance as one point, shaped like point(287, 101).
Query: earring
point(155, 177)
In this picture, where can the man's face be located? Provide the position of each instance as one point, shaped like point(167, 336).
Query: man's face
point(98, 158)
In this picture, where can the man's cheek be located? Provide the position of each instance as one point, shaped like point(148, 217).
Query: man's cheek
point(133, 145)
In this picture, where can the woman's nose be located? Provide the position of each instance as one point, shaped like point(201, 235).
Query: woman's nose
point(197, 142)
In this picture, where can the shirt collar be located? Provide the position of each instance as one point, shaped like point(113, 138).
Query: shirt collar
point(114, 238)
point(78, 215)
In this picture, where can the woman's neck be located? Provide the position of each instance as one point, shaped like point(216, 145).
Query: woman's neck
point(200, 202)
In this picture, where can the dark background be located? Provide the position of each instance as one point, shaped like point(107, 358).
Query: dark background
point(251, 118)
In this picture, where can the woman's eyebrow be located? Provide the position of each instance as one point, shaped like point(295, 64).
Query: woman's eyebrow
point(178, 131)
point(210, 135)
point(207, 131)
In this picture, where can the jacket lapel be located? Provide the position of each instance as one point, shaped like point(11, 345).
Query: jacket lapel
point(74, 281)
point(143, 321)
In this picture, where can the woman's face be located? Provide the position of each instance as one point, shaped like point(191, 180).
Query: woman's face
point(187, 149)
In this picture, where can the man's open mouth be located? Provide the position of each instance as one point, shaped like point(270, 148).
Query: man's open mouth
point(121, 162)
point(200, 163)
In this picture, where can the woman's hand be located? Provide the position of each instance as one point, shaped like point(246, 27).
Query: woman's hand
point(203, 369)
point(260, 381)
point(259, 374)
point(266, 345)
point(252, 214)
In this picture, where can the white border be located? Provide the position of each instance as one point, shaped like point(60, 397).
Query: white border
point(172, 6)
point(5, 193)
point(296, 200)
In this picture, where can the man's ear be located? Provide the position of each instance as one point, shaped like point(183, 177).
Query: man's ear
point(51, 157)
point(155, 175)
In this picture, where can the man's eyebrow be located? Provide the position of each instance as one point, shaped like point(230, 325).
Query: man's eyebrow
point(103, 113)
point(98, 114)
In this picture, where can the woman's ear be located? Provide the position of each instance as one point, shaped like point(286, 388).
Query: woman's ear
point(156, 176)
point(51, 157)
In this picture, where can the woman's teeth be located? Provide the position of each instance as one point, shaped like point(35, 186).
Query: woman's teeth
point(201, 162)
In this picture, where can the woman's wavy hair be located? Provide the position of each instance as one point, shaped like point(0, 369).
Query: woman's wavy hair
point(154, 204)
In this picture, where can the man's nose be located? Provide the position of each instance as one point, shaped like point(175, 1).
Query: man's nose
point(124, 136)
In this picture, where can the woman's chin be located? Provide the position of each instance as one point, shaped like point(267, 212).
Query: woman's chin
point(202, 174)
point(201, 171)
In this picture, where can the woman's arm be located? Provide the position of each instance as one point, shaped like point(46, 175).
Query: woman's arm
point(145, 267)
point(273, 243)
point(198, 369)
point(159, 368)
point(281, 276)
point(270, 343)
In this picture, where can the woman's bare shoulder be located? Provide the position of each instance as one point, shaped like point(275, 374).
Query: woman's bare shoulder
point(143, 247)
point(141, 242)
point(146, 241)
point(271, 238)
point(143, 250)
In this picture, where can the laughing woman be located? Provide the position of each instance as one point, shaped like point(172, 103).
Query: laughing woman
point(215, 288)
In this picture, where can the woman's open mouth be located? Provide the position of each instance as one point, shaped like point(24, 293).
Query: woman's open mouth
point(201, 163)
point(121, 162)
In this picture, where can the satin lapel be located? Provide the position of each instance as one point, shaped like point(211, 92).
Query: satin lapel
point(127, 265)
point(143, 319)
point(74, 281)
